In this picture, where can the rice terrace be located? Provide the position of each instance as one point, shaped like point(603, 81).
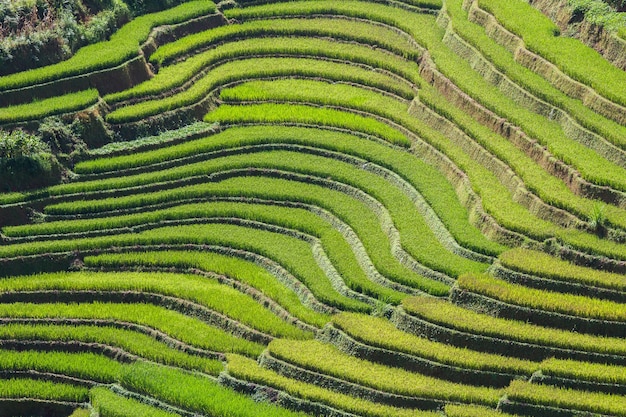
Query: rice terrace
point(336, 208)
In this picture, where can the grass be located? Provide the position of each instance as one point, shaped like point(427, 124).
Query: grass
point(294, 113)
point(579, 61)
point(123, 45)
point(195, 393)
point(455, 410)
point(361, 32)
point(48, 107)
point(31, 388)
point(81, 412)
point(504, 61)
point(543, 265)
point(130, 341)
point(255, 68)
point(249, 370)
point(496, 198)
point(600, 13)
point(596, 372)
point(420, 241)
point(575, 305)
point(326, 359)
point(246, 136)
point(176, 75)
point(293, 254)
point(206, 292)
point(381, 333)
point(548, 188)
point(235, 268)
point(567, 398)
point(162, 140)
point(333, 242)
point(87, 366)
point(109, 404)
point(417, 238)
point(449, 315)
point(427, 180)
point(186, 329)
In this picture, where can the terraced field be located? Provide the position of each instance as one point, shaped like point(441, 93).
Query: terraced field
point(316, 207)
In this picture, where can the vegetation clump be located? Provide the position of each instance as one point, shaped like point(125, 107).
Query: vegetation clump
point(25, 161)
point(42, 32)
point(603, 13)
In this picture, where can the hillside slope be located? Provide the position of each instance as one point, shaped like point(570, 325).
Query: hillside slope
point(318, 207)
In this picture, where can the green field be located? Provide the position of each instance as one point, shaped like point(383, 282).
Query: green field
point(316, 208)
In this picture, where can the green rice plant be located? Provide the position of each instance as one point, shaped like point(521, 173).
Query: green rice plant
point(176, 75)
point(543, 265)
point(109, 404)
point(186, 329)
point(576, 59)
point(264, 90)
point(547, 187)
point(128, 340)
point(381, 333)
point(424, 4)
point(31, 388)
point(504, 207)
point(235, 268)
point(333, 242)
point(452, 316)
point(312, 91)
point(527, 392)
point(249, 370)
point(254, 135)
point(356, 214)
point(162, 140)
point(586, 371)
point(361, 32)
point(326, 359)
point(455, 410)
point(597, 218)
point(429, 182)
point(293, 254)
point(396, 202)
point(417, 238)
point(590, 243)
point(510, 214)
point(87, 366)
point(206, 292)
point(504, 61)
point(590, 164)
point(496, 198)
point(81, 412)
point(294, 113)
point(256, 68)
point(575, 305)
point(123, 45)
point(13, 197)
point(195, 393)
point(47, 107)
point(319, 7)
point(428, 34)
point(420, 240)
